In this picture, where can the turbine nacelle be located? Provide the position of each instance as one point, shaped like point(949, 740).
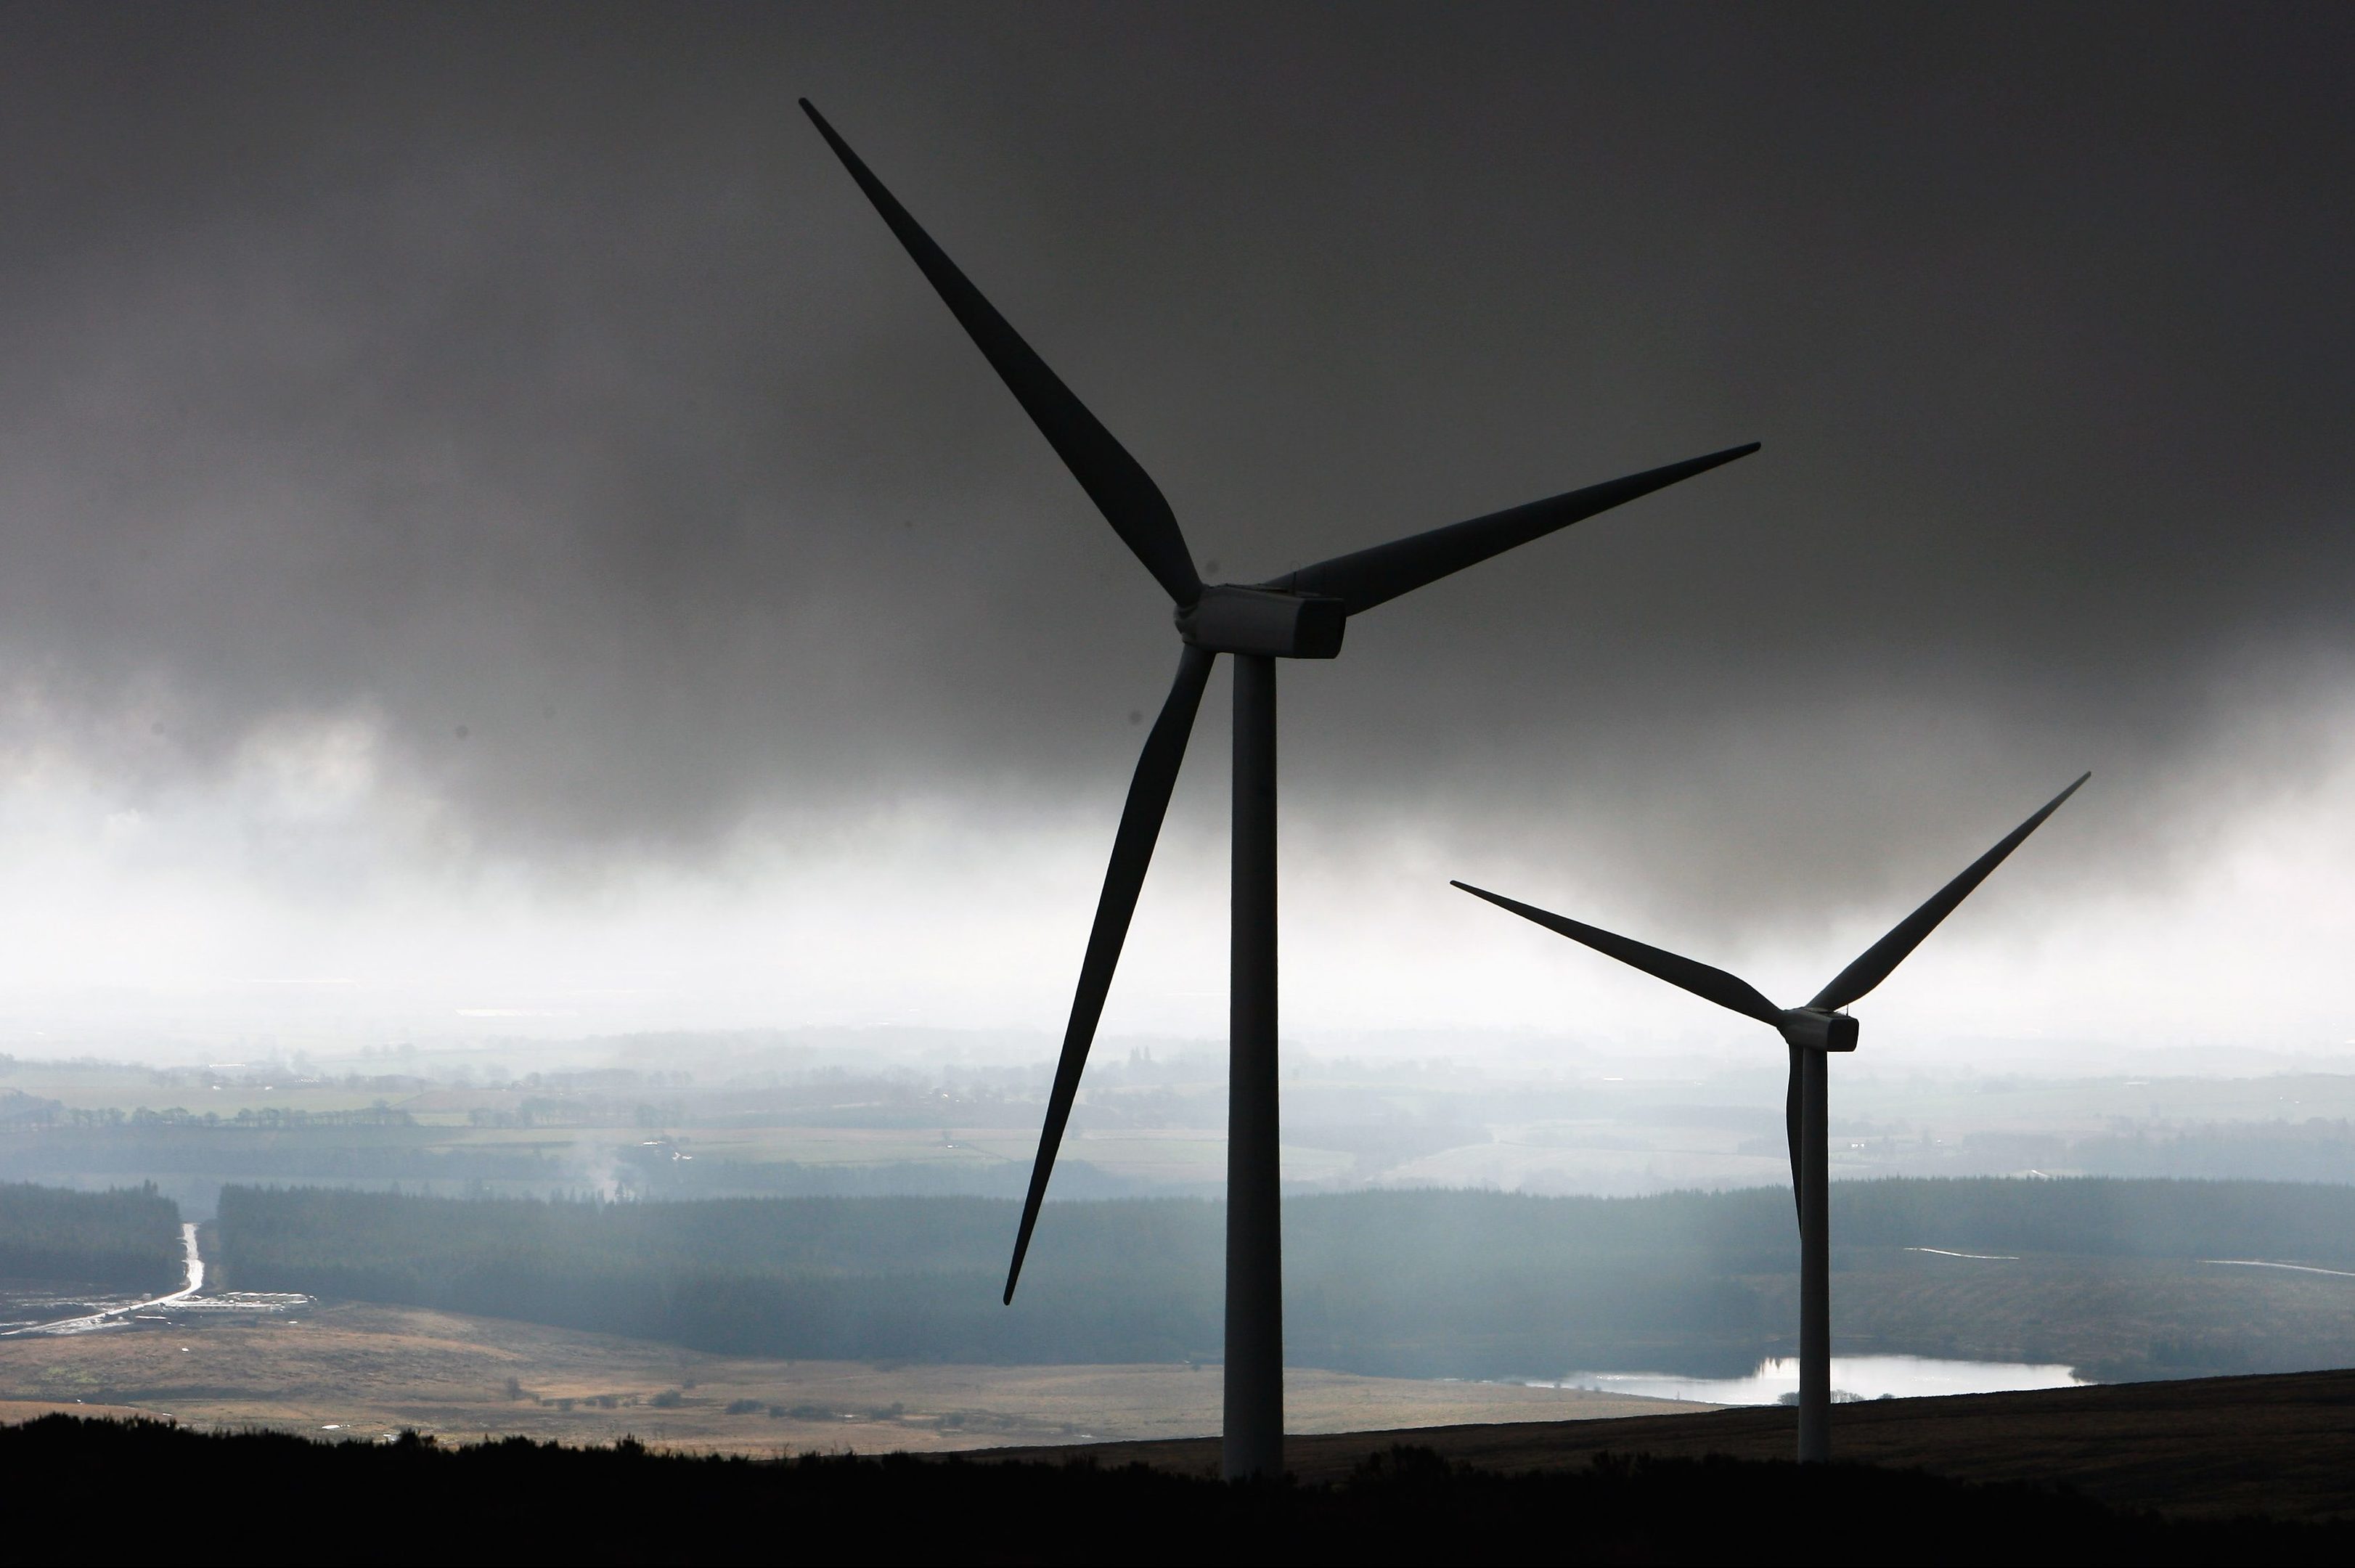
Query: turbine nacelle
point(1818, 1029)
point(1229, 618)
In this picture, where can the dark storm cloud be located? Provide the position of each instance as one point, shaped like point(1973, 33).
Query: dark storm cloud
point(538, 374)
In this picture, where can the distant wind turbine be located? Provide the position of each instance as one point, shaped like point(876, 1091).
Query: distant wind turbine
point(1810, 1032)
point(1298, 615)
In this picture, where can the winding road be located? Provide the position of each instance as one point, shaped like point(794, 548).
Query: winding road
point(195, 1282)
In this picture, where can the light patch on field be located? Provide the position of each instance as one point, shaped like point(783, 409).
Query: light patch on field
point(372, 1370)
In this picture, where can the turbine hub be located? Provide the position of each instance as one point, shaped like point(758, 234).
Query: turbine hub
point(1231, 619)
point(1818, 1029)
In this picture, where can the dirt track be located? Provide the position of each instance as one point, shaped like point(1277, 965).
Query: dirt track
point(2283, 1445)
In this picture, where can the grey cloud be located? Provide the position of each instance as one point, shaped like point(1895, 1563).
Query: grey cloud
point(537, 372)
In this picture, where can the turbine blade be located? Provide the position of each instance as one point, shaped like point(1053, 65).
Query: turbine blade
point(1712, 984)
point(1114, 480)
point(1790, 1132)
point(1132, 852)
point(1369, 577)
point(1873, 966)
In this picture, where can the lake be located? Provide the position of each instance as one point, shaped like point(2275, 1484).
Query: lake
point(1853, 1377)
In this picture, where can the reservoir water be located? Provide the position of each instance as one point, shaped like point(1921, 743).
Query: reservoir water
point(1853, 1377)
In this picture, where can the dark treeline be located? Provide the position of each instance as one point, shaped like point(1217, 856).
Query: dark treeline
point(2101, 1216)
point(268, 1116)
point(2315, 1149)
point(127, 1239)
point(2312, 1150)
point(913, 1278)
point(516, 1501)
point(664, 1178)
point(1407, 1283)
point(1424, 1284)
point(19, 1109)
point(369, 1146)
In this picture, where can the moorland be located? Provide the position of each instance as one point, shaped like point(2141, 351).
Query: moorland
point(369, 1370)
point(1403, 1502)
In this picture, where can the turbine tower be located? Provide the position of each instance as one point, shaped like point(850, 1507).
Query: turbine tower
point(1811, 1031)
point(1299, 615)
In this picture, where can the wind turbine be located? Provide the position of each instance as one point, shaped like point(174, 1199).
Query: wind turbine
point(1810, 1032)
point(1298, 615)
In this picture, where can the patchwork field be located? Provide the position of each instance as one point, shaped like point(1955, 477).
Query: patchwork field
point(369, 1370)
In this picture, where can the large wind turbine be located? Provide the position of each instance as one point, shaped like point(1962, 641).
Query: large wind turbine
point(1299, 615)
point(1810, 1032)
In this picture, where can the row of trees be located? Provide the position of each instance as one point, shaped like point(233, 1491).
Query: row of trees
point(251, 1117)
point(254, 1151)
point(125, 1239)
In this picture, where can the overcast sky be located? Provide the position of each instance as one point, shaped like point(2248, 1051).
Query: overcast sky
point(494, 524)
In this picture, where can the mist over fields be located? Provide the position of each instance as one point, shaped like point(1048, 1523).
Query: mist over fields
point(926, 1113)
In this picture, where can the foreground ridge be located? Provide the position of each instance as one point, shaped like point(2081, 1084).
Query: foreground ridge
point(515, 1501)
